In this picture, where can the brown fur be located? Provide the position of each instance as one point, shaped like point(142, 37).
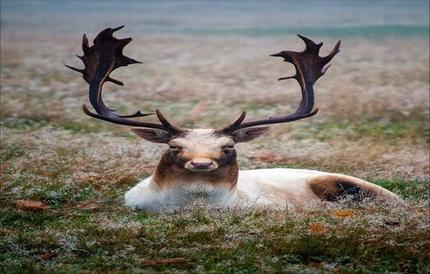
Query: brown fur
point(335, 187)
point(168, 174)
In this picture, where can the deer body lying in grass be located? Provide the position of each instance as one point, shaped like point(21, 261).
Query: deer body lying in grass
point(200, 164)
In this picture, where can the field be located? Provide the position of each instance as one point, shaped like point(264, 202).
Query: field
point(373, 124)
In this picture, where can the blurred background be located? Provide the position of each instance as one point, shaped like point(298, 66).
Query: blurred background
point(203, 63)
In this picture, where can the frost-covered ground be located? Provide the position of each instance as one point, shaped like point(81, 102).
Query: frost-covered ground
point(373, 123)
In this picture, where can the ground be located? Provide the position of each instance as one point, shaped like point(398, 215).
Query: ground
point(373, 124)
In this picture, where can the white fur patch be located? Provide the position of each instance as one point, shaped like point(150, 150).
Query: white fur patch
point(254, 188)
point(143, 196)
point(202, 141)
point(273, 188)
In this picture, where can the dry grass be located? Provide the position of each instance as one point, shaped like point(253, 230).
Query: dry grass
point(373, 123)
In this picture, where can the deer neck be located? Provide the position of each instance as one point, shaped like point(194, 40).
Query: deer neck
point(169, 175)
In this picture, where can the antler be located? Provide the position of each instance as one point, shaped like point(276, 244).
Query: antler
point(309, 67)
point(100, 60)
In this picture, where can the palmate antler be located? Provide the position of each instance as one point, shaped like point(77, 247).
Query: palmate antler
point(106, 55)
point(309, 67)
point(100, 60)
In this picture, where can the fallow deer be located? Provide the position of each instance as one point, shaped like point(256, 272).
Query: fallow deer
point(201, 163)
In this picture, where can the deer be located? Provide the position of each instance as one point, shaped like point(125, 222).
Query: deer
point(201, 164)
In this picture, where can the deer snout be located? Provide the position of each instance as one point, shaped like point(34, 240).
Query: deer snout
point(201, 165)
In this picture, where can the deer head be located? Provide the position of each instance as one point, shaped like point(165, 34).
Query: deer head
point(195, 149)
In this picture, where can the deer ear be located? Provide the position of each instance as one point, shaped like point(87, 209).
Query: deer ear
point(153, 135)
point(248, 134)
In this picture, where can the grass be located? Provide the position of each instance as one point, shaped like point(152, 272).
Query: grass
point(418, 190)
point(112, 238)
point(386, 130)
point(373, 124)
point(86, 226)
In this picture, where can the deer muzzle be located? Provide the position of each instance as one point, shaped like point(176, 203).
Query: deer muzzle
point(203, 165)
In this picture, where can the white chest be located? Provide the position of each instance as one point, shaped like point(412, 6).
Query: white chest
point(263, 187)
point(145, 196)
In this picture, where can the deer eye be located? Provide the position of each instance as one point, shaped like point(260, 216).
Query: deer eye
point(227, 149)
point(175, 148)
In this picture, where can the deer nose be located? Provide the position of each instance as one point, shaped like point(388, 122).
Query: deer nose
point(201, 164)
